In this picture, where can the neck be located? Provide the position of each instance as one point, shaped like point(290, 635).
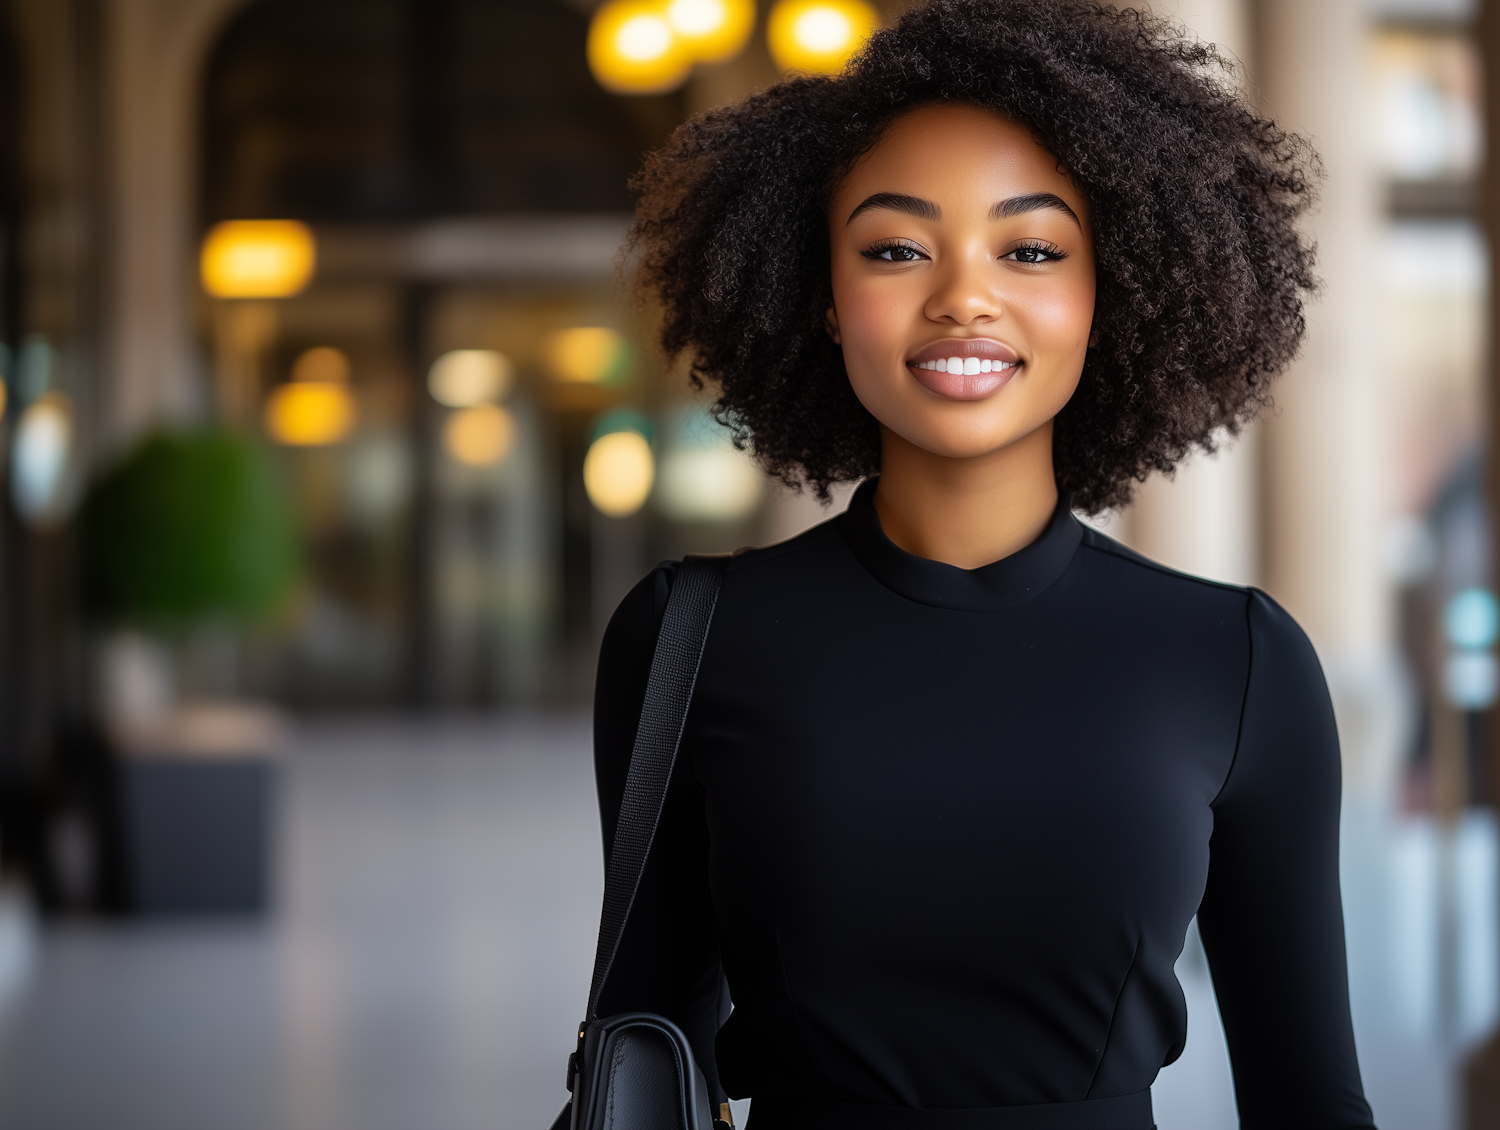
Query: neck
point(966, 512)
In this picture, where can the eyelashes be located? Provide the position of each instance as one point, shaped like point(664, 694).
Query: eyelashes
point(904, 251)
point(1036, 251)
point(894, 251)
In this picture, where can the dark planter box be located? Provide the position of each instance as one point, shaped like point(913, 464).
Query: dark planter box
point(197, 833)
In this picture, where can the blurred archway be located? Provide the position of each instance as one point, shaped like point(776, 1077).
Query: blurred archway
point(466, 181)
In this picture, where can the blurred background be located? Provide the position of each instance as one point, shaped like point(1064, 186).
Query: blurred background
point(331, 437)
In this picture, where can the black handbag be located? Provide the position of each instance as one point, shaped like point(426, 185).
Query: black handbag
point(635, 1071)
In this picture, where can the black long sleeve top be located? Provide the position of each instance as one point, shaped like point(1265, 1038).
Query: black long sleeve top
point(943, 832)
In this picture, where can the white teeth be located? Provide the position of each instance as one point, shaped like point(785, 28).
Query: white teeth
point(966, 365)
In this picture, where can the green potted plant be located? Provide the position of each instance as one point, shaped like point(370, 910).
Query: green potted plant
point(189, 528)
point(189, 525)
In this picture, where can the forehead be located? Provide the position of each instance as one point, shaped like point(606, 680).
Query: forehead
point(951, 152)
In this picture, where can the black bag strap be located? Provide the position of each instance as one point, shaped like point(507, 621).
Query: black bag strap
point(669, 690)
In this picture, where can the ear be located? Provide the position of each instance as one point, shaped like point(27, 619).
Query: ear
point(831, 324)
point(1093, 337)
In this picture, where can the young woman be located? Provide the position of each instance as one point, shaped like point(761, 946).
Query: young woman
point(959, 770)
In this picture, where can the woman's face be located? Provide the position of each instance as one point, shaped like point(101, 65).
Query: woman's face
point(963, 281)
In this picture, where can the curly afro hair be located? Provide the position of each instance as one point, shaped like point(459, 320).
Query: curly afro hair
point(1194, 201)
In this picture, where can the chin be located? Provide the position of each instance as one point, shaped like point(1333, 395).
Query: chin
point(955, 443)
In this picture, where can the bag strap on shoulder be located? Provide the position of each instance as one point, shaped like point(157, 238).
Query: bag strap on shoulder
point(669, 691)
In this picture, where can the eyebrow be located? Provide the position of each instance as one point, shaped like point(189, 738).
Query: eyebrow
point(1032, 202)
point(927, 210)
point(898, 202)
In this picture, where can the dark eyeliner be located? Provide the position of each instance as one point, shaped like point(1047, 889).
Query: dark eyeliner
point(1050, 251)
point(875, 249)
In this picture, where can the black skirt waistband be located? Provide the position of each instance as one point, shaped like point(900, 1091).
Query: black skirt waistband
point(1123, 1112)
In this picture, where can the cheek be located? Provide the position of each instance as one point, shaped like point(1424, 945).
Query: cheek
point(872, 317)
point(1060, 320)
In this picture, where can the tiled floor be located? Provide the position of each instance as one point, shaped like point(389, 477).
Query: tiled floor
point(440, 882)
point(432, 950)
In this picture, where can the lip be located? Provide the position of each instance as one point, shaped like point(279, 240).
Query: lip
point(964, 386)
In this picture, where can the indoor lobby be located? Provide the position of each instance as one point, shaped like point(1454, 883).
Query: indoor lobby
point(332, 436)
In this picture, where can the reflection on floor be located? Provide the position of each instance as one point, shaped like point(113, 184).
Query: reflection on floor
point(440, 886)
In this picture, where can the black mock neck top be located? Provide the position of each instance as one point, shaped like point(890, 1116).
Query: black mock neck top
point(942, 832)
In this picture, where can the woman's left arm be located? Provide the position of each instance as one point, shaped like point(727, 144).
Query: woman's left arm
point(1271, 919)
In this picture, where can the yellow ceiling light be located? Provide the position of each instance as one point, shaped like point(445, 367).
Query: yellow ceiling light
point(818, 36)
point(310, 413)
point(633, 48)
point(587, 355)
point(463, 378)
point(321, 364)
point(481, 436)
point(258, 258)
point(712, 31)
point(618, 472)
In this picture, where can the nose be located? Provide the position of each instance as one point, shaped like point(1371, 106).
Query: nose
point(964, 290)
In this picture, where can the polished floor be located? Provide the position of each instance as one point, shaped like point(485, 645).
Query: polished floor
point(438, 893)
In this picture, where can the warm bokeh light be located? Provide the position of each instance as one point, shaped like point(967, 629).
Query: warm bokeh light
point(712, 31)
point(587, 355)
point(633, 49)
point(618, 472)
point(258, 258)
point(480, 436)
point(321, 364)
point(709, 484)
point(818, 36)
point(463, 378)
point(310, 413)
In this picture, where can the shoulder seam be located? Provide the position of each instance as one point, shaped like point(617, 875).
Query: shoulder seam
point(1102, 543)
point(1239, 730)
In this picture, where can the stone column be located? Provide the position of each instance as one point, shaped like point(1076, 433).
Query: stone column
point(1323, 471)
point(157, 52)
point(1205, 519)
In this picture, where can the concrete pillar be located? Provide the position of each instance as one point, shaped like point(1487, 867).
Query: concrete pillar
point(1205, 519)
point(1323, 478)
point(1224, 23)
point(157, 50)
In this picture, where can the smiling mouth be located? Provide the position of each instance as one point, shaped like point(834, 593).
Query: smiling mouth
point(959, 369)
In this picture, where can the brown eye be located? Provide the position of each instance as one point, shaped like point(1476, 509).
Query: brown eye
point(894, 253)
point(1035, 253)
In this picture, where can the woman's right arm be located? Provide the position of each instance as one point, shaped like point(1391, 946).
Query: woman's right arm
point(668, 961)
